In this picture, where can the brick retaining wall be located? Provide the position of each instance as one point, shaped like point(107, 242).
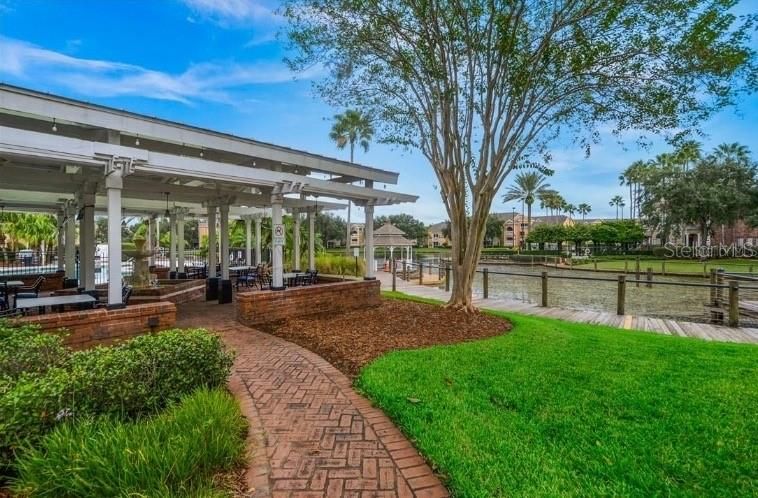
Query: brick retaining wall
point(101, 326)
point(259, 307)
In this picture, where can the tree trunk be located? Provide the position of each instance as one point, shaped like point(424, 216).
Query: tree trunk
point(467, 238)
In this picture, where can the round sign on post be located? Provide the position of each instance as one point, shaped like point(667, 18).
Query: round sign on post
point(278, 235)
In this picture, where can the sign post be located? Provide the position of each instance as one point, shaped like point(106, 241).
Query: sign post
point(278, 235)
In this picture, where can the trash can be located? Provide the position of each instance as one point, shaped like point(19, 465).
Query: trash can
point(225, 294)
point(211, 289)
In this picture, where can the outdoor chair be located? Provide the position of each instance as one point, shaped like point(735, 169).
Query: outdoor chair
point(264, 281)
point(31, 291)
point(126, 293)
point(313, 277)
point(244, 278)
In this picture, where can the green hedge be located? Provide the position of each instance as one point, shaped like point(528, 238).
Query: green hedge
point(24, 349)
point(135, 378)
point(175, 453)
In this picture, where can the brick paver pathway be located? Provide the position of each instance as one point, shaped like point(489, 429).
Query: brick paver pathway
point(316, 436)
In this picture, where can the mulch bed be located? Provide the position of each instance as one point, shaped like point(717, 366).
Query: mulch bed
point(351, 340)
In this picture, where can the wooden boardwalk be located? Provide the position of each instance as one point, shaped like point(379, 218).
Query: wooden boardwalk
point(704, 331)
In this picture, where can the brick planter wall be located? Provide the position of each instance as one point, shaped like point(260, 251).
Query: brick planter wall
point(101, 326)
point(259, 307)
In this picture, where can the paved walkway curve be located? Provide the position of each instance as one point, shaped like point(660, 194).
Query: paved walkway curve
point(316, 436)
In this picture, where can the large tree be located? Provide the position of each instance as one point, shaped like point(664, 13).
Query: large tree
point(414, 229)
point(483, 87)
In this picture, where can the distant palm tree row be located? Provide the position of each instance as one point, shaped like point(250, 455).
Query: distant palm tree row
point(531, 186)
point(35, 231)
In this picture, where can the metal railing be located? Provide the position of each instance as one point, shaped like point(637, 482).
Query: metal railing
point(728, 301)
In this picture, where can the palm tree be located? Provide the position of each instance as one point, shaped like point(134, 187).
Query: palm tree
point(617, 201)
point(527, 188)
point(584, 209)
point(349, 128)
point(732, 152)
point(569, 209)
point(688, 153)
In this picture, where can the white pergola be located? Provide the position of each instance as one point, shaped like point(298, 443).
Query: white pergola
point(74, 158)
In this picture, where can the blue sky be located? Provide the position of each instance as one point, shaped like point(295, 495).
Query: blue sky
point(218, 64)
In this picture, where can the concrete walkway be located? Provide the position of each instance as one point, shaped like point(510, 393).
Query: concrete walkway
point(313, 435)
point(704, 331)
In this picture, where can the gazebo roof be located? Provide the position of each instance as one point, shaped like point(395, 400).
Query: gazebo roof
point(388, 235)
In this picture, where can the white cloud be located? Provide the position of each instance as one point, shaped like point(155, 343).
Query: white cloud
point(227, 12)
point(208, 81)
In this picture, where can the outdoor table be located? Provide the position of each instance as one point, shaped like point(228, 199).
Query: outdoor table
point(52, 301)
point(290, 277)
point(239, 268)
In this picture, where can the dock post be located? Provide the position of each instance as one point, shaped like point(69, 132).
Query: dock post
point(621, 298)
point(447, 278)
point(649, 277)
point(394, 275)
point(421, 273)
point(486, 283)
point(663, 267)
point(544, 289)
point(637, 271)
point(734, 303)
point(405, 270)
point(594, 260)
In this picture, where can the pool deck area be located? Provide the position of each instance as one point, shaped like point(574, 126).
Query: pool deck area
point(705, 331)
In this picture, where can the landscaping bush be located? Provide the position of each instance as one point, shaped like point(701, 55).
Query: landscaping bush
point(25, 349)
point(175, 453)
point(135, 378)
point(332, 264)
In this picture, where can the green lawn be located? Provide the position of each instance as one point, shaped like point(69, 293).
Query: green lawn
point(671, 265)
point(566, 409)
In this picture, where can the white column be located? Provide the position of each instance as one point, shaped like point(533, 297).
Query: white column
point(172, 241)
point(277, 279)
point(368, 237)
point(157, 234)
point(212, 256)
point(347, 240)
point(180, 241)
point(296, 241)
point(248, 240)
point(224, 212)
point(113, 185)
point(87, 241)
point(59, 251)
point(70, 248)
point(258, 257)
point(151, 238)
point(311, 239)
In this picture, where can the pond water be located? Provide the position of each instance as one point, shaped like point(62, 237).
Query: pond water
point(660, 301)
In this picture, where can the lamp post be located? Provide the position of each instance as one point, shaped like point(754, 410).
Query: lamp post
point(513, 227)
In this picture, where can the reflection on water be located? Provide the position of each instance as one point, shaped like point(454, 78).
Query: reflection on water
point(662, 301)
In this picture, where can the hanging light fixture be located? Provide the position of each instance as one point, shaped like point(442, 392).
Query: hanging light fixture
point(167, 213)
point(202, 153)
point(136, 142)
point(55, 128)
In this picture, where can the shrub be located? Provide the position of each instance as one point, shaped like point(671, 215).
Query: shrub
point(135, 378)
point(174, 453)
point(24, 349)
point(332, 264)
